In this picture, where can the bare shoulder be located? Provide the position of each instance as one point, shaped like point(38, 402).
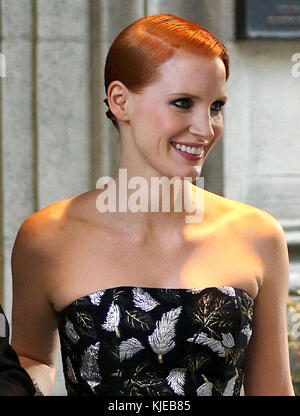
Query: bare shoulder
point(254, 225)
point(247, 218)
point(45, 235)
point(41, 244)
point(39, 230)
point(261, 231)
point(261, 226)
point(53, 222)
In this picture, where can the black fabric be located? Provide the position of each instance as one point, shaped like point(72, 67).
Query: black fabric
point(144, 341)
point(14, 380)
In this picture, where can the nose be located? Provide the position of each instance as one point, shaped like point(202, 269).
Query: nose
point(202, 126)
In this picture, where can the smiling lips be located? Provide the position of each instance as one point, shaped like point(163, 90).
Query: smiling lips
point(189, 150)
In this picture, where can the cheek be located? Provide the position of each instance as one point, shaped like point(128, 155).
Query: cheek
point(218, 127)
point(150, 119)
point(169, 125)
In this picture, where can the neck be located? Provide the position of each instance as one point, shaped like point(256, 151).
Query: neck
point(154, 204)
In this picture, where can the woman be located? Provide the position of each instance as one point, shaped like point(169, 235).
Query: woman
point(146, 303)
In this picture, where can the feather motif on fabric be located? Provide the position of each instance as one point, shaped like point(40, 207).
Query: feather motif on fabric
point(198, 290)
point(143, 299)
point(70, 371)
point(112, 319)
point(70, 332)
point(161, 341)
point(247, 331)
point(227, 290)
point(148, 331)
point(129, 348)
point(229, 389)
point(86, 324)
point(89, 368)
point(96, 297)
point(227, 340)
point(213, 344)
point(176, 380)
point(135, 318)
point(205, 389)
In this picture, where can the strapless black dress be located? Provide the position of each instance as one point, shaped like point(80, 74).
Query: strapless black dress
point(142, 341)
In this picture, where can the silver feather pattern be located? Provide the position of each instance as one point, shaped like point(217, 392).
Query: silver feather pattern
point(143, 299)
point(213, 344)
point(247, 331)
point(227, 340)
point(205, 389)
point(70, 371)
point(197, 290)
point(129, 348)
point(229, 389)
point(112, 319)
point(228, 290)
point(161, 341)
point(176, 380)
point(70, 331)
point(89, 368)
point(96, 297)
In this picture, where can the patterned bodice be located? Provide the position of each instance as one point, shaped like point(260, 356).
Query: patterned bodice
point(144, 341)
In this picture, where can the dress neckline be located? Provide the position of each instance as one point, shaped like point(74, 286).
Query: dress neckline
point(196, 290)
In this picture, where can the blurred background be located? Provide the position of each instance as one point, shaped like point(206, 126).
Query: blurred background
point(56, 140)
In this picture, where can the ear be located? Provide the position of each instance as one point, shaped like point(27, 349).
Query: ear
point(117, 95)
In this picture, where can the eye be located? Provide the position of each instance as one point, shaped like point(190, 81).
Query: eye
point(187, 103)
point(217, 106)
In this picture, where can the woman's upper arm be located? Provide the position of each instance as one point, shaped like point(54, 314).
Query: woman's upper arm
point(267, 368)
point(34, 321)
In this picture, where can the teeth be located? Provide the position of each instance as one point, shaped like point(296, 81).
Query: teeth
point(188, 149)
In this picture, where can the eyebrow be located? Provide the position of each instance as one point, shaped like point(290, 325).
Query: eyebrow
point(224, 97)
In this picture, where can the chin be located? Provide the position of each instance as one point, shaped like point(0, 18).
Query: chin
point(192, 173)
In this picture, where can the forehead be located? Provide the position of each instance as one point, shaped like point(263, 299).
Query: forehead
point(191, 73)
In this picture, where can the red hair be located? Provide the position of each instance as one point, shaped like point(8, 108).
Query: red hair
point(144, 45)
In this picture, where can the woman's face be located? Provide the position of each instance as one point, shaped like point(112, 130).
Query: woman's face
point(182, 106)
